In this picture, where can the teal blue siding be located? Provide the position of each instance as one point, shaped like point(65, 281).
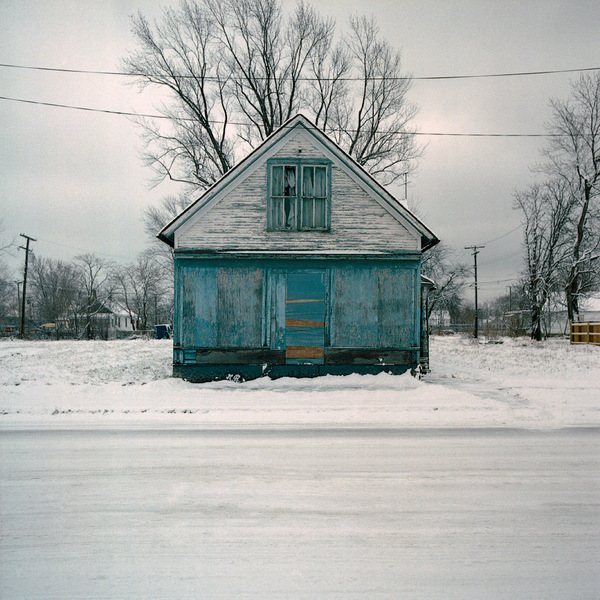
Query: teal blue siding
point(198, 307)
point(218, 307)
point(354, 315)
point(270, 311)
point(397, 324)
point(276, 282)
point(239, 307)
point(375, 307)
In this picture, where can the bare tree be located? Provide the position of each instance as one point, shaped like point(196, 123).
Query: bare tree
point(237, 69)
point(94, 277)
point(139, 287)
point(154, 218)
point(55, 287)
point(546, 209)
point(449, 277)
point(573, 154)
point(8, 297)
point(5, 245)
point(328, 83)
point(268, 56)
point(7, 293)
point(179, 54)
point(373, 122)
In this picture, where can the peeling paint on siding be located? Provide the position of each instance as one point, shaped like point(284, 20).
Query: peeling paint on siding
point(374, 307)
point(358, 222)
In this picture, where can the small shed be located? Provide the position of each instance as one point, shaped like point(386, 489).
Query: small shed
point(297, 263)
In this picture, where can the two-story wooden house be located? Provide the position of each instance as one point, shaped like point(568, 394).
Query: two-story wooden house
point(296, 263)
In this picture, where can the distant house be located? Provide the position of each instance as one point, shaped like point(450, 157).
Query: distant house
point(118, 321)
point(558, 320)
point(105, 320)
point(297, 263)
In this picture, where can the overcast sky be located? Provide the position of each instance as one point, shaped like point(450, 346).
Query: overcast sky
point(74, 181)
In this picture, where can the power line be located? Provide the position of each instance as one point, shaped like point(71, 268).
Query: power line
point(82, 249)
point(504, 234)
point(400, 78)
point(497, 281)
point(85, 108)
point(503, 257)
point(216, 122)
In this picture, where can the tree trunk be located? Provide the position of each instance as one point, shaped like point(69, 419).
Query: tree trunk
point(536, 322)
point(574, 286)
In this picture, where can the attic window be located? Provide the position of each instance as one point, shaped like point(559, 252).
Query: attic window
point(299, 195)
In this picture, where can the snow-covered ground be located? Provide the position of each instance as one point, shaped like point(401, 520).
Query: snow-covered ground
point(127, 384)
point(119, 482)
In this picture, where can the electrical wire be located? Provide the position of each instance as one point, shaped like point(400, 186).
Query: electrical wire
point(81, 249)
point(486, 263)
point(497, 281)
point(502, 236)
point(216, 122)
point(401, 78)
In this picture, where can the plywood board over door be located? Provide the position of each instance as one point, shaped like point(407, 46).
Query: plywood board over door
point(305, 317)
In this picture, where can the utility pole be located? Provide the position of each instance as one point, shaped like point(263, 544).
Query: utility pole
point(26, 248)
point(475, 253)
point(18, 284)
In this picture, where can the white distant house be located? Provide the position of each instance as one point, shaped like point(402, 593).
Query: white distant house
point(118, 321)
point(439, 319)
point(107, 321)
point(589, 311)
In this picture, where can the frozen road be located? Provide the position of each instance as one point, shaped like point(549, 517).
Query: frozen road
point(305, 514)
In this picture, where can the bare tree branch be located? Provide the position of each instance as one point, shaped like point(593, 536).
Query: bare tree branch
point(235, 70)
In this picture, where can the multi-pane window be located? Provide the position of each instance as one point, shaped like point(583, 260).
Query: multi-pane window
point(299, 196)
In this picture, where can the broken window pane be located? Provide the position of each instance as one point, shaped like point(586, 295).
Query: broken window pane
point(289, 182)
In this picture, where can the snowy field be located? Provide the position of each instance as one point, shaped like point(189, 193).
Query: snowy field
point(480, 481)
point(517, 383)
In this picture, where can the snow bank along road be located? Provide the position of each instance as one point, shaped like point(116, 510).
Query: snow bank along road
point(127, 384)
point(482, 481)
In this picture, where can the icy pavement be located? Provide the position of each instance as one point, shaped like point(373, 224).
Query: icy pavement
point(300, 515)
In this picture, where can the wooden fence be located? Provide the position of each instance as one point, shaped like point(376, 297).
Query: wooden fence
point(585, 332)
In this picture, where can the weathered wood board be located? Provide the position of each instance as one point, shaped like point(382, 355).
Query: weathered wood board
point(339, 312)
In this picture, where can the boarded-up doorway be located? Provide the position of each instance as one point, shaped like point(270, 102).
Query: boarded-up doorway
point(305, 317)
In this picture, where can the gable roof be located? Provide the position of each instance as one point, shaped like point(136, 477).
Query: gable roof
point(216, 192)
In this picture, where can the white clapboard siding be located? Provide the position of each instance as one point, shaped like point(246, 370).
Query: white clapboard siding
point(299, 144)
point(238, 222)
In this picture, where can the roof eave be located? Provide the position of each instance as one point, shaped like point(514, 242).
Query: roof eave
point(166, 239)
point(426, 244)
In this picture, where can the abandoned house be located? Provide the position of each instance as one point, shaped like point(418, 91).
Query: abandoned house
point(297, 263)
